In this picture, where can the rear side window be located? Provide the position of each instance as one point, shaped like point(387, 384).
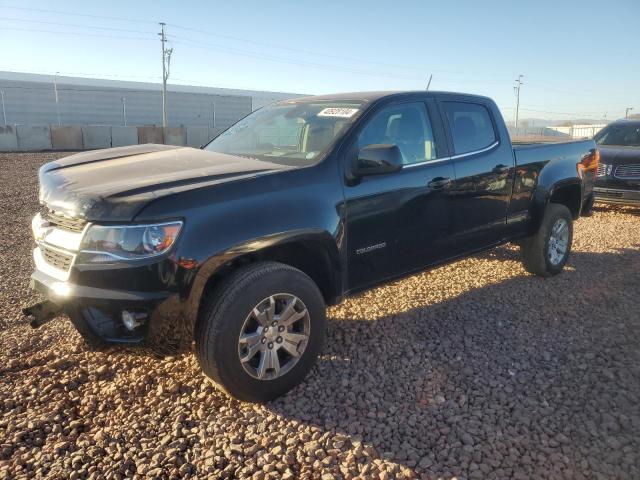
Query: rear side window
point(470, 125)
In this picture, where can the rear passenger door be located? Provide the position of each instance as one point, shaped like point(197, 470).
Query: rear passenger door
point(483, 166)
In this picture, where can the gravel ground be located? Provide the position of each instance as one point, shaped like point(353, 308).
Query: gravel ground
point(475, 370)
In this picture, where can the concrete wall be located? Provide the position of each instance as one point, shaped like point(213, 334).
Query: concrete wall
point(197, 136)
point(92, 137)
point(66, 138)
point(96, 136)
point(34, 137)
point(150, 135)
point(175, 136)
point(8, 138)
point(123, 136)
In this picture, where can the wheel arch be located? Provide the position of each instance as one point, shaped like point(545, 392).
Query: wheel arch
point(312, 252)
point(566, 192)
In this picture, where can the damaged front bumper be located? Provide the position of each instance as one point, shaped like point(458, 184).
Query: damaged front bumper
point(42, 312)
point(115, 316)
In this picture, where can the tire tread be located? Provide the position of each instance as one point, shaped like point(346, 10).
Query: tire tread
point(210, 320)
point(533, 249)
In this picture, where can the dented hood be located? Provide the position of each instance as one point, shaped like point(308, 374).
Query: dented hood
point(114, 184)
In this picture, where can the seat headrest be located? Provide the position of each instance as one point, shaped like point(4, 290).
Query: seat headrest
point(410, 127)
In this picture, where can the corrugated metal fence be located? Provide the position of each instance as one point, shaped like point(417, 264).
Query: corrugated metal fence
point(34, 103)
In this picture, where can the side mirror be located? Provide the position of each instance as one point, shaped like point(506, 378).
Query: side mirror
point(378, 159)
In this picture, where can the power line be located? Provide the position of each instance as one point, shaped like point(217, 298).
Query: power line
point(75, 14)
point(76, 25)
point(199, 44)
point(271, 58)
point(58, 32)
point(206, 32)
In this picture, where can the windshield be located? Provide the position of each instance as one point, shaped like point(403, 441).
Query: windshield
point(620, 135)
point(296, 133)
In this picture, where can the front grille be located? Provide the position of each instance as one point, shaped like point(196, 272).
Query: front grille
point(630, 172)
point(63, 222)
point(602, 169)
point(56, 258)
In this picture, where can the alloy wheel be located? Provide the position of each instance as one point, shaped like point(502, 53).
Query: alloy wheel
point(274, 336)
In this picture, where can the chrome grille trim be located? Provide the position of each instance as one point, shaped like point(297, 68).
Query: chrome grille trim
point(602, 169)
point(57, 258)
point(63, 222)
point(628, 172)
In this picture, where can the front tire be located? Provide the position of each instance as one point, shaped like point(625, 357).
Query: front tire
point(546, 253)
point(261, 331)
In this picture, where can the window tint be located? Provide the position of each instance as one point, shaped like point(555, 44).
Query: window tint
point(407, 126)
point(620, 135)
point(470, 125)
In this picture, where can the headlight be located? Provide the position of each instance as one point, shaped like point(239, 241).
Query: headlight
point(131, 242)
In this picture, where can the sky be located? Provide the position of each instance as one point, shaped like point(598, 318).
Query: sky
point(579, 58)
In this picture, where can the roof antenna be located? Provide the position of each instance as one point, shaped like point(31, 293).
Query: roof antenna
point(428, 84)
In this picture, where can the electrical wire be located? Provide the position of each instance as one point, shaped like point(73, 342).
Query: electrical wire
point(87, 15)
point(57, 32)
point(77, 26)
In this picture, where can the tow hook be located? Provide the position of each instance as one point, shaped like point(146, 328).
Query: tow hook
point(42, 312)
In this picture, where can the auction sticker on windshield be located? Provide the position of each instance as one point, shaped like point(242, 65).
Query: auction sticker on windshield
point(338, 112)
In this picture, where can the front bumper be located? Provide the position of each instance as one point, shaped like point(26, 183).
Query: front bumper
point(100, 309)
point(617, 196)
point(124, 301)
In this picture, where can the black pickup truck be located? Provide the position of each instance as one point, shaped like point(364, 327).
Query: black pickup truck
point(240, 245)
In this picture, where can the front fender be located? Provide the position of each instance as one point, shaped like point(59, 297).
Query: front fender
point(323, 242)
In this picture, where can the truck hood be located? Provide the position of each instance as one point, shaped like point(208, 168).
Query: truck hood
point(115, 183)
point(619, 155)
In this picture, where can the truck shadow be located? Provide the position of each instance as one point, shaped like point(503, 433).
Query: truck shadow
point(483, 375)
point(605, 208)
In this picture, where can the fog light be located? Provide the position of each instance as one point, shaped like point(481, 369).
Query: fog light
point(61, 289)
point(133, 320)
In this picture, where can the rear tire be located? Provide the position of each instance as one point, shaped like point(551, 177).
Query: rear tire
point(546, 253)
point(260, 331)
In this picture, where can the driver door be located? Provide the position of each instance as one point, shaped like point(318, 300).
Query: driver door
point(399, 222)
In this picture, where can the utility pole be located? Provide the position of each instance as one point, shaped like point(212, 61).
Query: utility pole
point(4, 114)
point(429, 83)
point(213, 114)
point(124, 110)
point(626, 112)
point(516, 88)
point(55, 89)
point(166, 61)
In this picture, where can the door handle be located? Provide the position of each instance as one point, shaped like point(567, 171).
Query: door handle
point(439, 182)
point(500, 168)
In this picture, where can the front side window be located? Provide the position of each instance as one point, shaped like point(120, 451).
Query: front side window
point(292, 133)
point(470, 125)
point(406, 125)
point(619, 135)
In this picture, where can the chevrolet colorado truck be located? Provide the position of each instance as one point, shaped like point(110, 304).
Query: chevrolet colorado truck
point(241, 244)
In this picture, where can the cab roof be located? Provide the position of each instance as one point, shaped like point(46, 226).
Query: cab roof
point(378, 95)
